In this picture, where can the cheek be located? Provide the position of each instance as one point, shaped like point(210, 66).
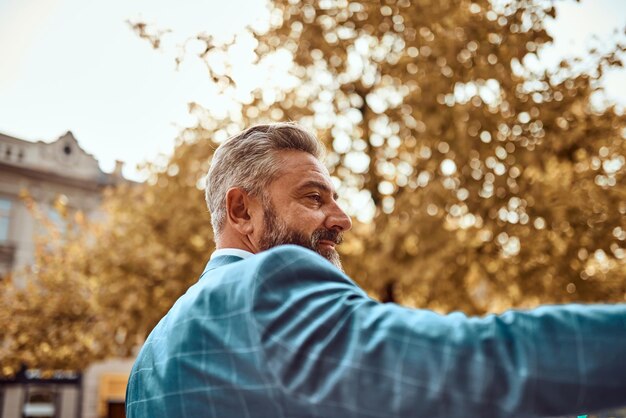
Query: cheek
point(302, 217)
point(309, 219)
point(259, 226)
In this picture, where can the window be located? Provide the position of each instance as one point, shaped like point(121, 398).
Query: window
point(57, 220)
point(5, 218)
point(40, 402)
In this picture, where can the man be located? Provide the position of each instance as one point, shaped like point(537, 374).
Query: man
point(277, 331)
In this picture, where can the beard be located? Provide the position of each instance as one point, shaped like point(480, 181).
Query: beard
point(276, 232)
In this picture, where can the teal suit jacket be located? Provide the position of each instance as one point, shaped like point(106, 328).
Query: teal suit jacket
point(286, 334)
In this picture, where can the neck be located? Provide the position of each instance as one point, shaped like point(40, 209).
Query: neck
point(237, 243)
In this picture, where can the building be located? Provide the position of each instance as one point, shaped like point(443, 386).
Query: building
point(49, 171)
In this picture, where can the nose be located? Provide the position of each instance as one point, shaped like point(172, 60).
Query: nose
point(337, 219)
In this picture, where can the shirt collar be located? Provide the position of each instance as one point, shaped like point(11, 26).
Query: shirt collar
point(231, 251)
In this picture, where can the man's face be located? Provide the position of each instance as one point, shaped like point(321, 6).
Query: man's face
point(300, 208)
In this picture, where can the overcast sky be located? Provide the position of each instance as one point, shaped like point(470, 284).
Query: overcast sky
point(76, 65)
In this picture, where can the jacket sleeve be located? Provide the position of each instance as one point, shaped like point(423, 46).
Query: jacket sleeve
point(326, 342)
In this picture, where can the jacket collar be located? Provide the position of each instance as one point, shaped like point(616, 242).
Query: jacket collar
point(220, 261)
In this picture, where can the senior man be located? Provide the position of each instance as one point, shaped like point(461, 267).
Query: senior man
point(277, 331)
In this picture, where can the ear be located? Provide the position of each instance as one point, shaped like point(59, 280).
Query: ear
point(238, 208)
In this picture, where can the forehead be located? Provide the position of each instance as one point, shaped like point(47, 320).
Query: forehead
point(298, 167)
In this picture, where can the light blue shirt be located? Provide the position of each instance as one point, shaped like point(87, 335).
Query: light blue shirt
point(236, 252)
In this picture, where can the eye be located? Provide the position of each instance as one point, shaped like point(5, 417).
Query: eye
point(315, 197)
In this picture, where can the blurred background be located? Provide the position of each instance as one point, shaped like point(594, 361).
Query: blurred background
point(479, 146)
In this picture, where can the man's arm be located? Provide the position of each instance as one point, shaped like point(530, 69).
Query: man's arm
point(326, 342)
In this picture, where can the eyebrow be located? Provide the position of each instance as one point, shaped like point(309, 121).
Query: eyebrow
point(318, 185)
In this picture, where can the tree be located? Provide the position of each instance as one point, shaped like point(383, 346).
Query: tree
point(97, 286)
point(498, 183)
point(52, 320)
point(479, 182)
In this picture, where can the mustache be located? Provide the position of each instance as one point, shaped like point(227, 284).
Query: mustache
point(331, 235)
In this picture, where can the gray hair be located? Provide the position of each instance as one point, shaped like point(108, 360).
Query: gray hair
point(249, 160)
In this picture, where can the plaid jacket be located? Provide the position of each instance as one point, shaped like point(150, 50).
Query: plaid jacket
point(285, 334)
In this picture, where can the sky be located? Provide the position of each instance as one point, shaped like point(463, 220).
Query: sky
point(76, 65)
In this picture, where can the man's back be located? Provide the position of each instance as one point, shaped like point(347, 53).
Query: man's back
point(285, 334)
point(203, 358)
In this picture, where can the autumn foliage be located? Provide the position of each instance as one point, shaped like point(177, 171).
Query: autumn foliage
point(478, 181)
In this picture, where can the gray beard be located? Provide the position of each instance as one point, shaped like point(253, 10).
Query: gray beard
point(278, 233)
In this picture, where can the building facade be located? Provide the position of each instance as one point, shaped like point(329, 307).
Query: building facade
point(46, 172)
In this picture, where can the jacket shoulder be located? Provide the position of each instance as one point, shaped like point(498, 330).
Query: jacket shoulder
point(293, 259)
point(289, 252)
point(290, 269)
